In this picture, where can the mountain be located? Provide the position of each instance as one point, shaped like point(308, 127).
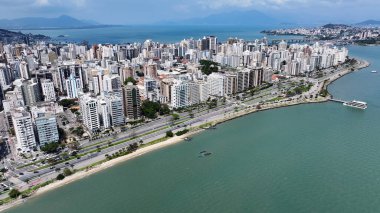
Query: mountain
point(335, 26)
point(41, 23)
point(249, 18)
point(369, 22)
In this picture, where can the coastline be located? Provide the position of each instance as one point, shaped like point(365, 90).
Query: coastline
point(85, 173)
point(177, 139)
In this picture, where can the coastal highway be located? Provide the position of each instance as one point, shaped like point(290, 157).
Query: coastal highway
point(152, 131)
point(48, 174)
point(155, 127)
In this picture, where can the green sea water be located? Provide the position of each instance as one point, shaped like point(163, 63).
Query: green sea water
point(307, 158)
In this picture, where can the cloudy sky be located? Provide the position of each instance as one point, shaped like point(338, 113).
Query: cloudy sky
point(153, 11)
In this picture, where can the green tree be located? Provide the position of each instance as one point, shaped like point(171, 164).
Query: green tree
point(164, 109)
point(169, 134)
point(133, 147)
point(67, 102)
point(290, 93)
point(60, 177)
point(182, 132)
point(14, 193)
point(208, 67)
point(149, 109)
point(252, 92)
point(298, 90)
point(324, 93)
point(212, 104)
point(67, 172)
point(78, 131)
point(175, 116)
point(130, 79)
point(50, 147)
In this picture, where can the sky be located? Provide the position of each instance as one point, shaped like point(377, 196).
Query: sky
point(154, 11)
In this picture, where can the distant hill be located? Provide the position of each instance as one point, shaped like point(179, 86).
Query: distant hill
point(335, 26)
point(7, 36)
point(43, 23)
point(251, 18)
point(369, 22)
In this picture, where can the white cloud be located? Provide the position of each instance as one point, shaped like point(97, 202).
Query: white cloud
point(60, 3)
point(218, 4)
point(42, 2)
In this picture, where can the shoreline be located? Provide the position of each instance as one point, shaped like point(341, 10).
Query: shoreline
point(103, 166)
point(177, 139)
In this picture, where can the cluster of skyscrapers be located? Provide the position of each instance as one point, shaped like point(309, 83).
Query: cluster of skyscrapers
point(110, 81)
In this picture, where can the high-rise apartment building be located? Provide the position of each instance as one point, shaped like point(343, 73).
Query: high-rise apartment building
point(48, 90)
point(90, 113)
point(47, 130)
point(23, 127)
point(131, 96)
point(31, 92)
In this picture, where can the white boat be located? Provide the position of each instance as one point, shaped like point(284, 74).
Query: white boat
point(373, 71)
point(356, 104)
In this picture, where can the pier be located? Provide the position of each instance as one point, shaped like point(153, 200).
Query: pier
point(354, 103)
point(337, 100)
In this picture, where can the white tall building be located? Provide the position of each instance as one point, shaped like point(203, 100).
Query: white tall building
point(216, 85)
point(89, 109)
point(180, 94)
point(24, 70)
point(103, 109)
point(72, 86)
point(204, 90)
point(194, 93)
point(23, 126)
point(48, 90)
point(5, 80)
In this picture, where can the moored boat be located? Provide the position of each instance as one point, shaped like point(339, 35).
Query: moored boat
point(356, 104)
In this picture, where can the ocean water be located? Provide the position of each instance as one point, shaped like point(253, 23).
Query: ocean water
point(163, 34)
point(307, 158)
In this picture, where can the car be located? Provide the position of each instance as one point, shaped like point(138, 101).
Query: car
point(67, 163)
point(35, 172)
point(57, 169)
point(53, 167)
point(21, 173)
point(78, 157)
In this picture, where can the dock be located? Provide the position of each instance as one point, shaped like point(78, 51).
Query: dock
point(338, 100)
point(354, 103)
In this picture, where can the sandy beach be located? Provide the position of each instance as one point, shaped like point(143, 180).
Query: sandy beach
point(85, 173)
point(110, 163)
point(82, 174)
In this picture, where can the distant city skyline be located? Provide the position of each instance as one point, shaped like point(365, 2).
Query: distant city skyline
point(152, 11)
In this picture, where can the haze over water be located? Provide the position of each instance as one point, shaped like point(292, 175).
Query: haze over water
point(163, 34)
point(308, 158)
